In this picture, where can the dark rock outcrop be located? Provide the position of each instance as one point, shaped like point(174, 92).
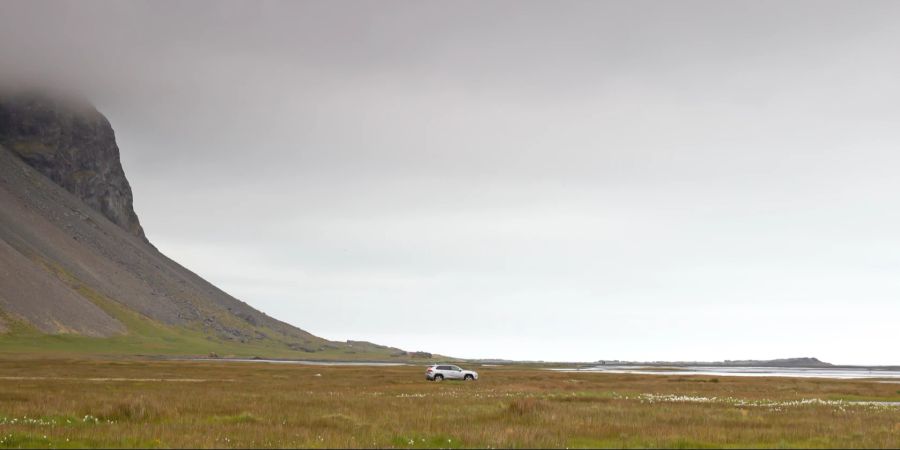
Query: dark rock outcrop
point(74, 145)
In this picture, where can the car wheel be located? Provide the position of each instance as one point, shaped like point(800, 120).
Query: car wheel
point(438, 378)
point(469, 378)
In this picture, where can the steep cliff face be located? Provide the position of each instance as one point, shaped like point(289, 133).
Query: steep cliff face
point(75, 265)
point(73, 145)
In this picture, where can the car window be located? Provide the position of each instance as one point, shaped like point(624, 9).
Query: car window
point(455, 368)
point(443, 367)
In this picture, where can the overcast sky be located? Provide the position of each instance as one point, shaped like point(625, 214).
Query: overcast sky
point(530, 180)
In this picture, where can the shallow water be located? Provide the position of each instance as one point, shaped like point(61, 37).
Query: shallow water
point(839, 373)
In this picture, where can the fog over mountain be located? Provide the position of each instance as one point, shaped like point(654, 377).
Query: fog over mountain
point(519, 180)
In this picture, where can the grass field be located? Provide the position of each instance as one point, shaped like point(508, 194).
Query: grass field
point(127, 403)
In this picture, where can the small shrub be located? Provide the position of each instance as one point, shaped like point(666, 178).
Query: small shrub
point(522, 407)
point(581, 399)
point(683, 442)
point(129, 409)
point(243, 417)
point(338, 422)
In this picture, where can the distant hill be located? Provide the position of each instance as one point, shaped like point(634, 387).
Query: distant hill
point(77, 272)
point(785, 362)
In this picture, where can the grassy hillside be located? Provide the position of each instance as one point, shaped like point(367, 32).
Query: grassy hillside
point(149, 338)
point(145, 336)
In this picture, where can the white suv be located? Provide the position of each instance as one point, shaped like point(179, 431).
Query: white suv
point(447, 372)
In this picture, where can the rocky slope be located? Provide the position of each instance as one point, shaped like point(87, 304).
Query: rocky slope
point(74, 260)
point(73, 145)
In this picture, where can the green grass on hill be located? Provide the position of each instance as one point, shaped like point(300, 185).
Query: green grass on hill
point(149, 337)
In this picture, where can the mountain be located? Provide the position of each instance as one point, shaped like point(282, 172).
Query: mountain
point(77, 272)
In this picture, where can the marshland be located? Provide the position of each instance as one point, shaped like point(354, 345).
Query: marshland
point(87, 402)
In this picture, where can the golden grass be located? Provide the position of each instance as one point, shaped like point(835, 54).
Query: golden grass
point(134, 403)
